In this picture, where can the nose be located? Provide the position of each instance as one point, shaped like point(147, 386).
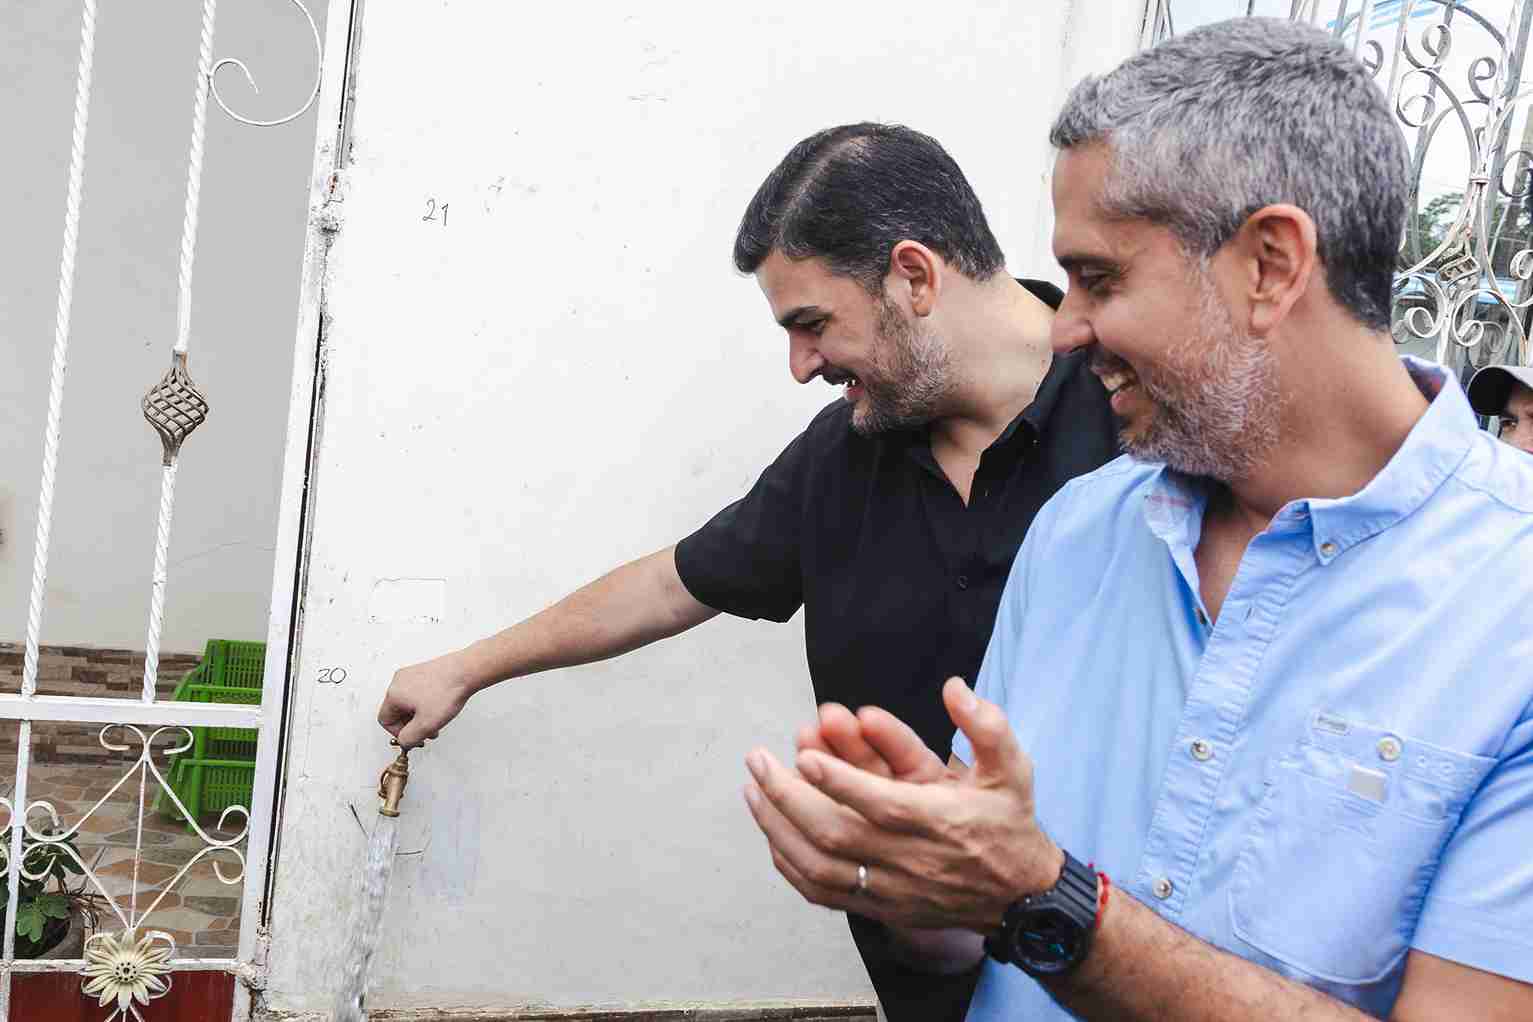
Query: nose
point(804, 359)
point(1071, 329)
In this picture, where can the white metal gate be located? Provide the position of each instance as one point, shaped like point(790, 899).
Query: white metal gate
point(128, 950)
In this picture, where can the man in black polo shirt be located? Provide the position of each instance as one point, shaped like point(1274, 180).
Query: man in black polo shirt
point(894, 517)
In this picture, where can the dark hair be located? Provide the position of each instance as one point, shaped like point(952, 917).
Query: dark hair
point(850, 194)
point(1207, 128)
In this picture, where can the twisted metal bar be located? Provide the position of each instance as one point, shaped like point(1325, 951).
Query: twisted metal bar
point(60, 346)
point(183, 339)
point(161, 576)
point(72, 202)
point(194, 175)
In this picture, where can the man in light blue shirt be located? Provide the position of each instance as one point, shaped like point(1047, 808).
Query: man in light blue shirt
point(1270, 674)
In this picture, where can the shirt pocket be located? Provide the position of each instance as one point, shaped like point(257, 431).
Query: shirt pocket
point(1343, 846)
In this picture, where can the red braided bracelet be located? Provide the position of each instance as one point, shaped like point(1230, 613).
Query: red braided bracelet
point(1104, 886)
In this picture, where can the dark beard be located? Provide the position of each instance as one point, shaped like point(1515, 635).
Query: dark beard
point(906, 389)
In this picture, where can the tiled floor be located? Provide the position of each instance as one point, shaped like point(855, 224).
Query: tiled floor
point(199, 911)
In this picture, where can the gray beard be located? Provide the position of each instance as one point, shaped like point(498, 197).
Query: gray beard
point(1218, 412)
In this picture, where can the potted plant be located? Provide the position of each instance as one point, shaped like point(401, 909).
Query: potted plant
point(51, 917)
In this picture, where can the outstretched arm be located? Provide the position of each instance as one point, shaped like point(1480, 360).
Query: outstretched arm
point(629, 607)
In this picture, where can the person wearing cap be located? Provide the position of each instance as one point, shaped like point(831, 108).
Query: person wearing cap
point(1505, 393)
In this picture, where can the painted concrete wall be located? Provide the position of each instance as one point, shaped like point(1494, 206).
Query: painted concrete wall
point(541, 364)
point(253, 208)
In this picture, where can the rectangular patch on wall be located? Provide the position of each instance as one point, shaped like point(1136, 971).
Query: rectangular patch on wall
point(408, 600)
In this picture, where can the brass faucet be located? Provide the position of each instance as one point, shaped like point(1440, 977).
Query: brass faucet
point(391, 784)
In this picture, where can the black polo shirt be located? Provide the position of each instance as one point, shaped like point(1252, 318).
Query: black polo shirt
point(899, 580)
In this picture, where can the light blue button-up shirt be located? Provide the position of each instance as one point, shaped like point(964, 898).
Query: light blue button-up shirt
point(1337, 770)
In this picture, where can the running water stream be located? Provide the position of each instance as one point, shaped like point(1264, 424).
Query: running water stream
point(367, 920)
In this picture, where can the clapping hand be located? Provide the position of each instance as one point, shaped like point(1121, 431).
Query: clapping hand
point(938, 845)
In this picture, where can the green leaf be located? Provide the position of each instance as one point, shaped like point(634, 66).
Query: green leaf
point(55, 906)
point(30, 921)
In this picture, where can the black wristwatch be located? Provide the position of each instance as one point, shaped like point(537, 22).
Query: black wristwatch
point(1048, 933)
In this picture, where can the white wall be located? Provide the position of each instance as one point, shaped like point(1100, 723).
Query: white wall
point(252, 223)
point(565, 375)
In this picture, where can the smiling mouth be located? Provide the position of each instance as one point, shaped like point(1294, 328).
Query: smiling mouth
point(840, 379)
point(1118, 381)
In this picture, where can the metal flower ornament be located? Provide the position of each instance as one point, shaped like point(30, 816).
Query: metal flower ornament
point(129, 972)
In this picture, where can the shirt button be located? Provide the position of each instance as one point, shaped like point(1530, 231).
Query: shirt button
point(1389, 748)
point(1328, 549)
point(963, 581)
point(1163, 888)
point(1202, 617)
point(1201, 750)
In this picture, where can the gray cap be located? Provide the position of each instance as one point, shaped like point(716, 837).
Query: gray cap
point(1491, 386)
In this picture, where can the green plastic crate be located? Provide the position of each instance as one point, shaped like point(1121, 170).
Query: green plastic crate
point(219, 769)
point(222, 742)
point(235, 664)
point(212, 785)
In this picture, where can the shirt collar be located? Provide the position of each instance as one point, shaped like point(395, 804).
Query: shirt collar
point(1434, 448)
point(1022, 432)
point(1031, 422)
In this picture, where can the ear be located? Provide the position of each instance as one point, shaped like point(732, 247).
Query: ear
point(1276, 246)
point(917, 271)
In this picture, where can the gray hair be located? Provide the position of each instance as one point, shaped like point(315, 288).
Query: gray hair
point(1209, 127)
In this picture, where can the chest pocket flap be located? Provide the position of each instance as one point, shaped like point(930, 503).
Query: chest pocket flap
point(1343, 847)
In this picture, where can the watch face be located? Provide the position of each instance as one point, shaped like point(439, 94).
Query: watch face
point(1049, 939)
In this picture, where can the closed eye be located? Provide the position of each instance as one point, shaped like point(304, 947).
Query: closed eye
point(1097, 283)
point(1093, 274)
